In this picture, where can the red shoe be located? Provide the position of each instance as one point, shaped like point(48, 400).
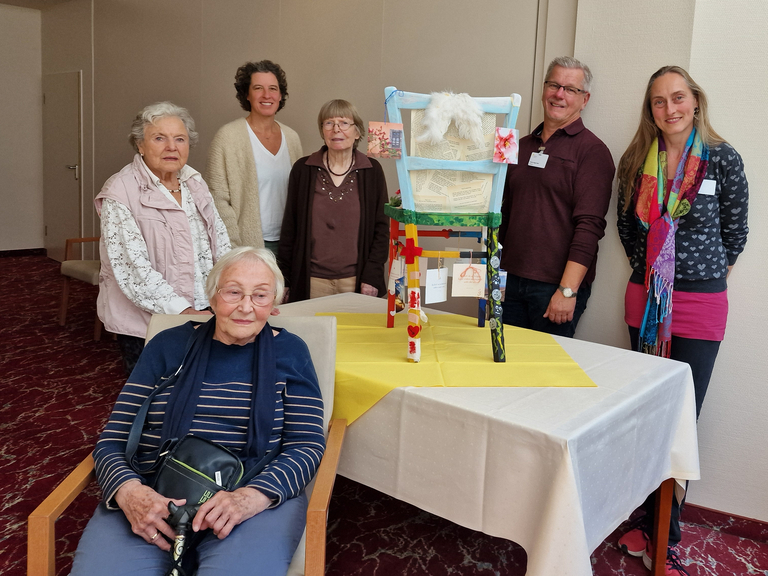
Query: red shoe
point(633, 542)
point(673, 567)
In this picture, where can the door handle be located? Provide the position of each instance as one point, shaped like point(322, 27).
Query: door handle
point(76, 168)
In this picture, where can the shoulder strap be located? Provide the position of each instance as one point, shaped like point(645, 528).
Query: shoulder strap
point(258, 467)
point(138, 422)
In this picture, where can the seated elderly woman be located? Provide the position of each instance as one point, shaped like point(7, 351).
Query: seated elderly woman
point(160, 231)
point(247, 387)
point(335, 233)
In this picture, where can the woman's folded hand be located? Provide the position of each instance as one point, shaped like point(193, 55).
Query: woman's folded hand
point(225, 510)
point(146, 510)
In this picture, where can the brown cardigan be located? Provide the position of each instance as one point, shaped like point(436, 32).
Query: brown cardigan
point(295, 251)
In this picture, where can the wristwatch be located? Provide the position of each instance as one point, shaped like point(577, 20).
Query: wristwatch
point(567, 292)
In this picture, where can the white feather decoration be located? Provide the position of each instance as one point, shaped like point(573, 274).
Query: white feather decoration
point(445, 107)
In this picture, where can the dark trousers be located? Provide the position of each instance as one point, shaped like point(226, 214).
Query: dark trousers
point(131, 348)
point(525, 302)
point(700, 355)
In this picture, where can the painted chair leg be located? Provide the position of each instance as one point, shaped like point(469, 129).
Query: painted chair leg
point(494, 296)
point(394, 233)
point(412, 252)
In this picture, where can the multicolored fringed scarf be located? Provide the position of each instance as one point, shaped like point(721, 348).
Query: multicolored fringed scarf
point(658, 210)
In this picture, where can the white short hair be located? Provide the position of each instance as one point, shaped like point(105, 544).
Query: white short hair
point(154, 112)
point(245, 253)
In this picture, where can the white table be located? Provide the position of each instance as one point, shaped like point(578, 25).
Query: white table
point(554, 469)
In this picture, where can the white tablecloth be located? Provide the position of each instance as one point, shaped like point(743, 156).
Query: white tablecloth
point(554, 469)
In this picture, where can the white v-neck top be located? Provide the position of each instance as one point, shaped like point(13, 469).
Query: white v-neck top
point(272, 171)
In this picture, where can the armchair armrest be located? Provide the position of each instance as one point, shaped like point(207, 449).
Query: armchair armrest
point(317, 512)
point(41, 533)
point(70, 244)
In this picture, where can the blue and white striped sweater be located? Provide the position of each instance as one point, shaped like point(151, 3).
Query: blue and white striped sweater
point(223, 412)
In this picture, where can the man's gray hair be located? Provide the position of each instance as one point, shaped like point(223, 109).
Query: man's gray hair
point(570, 62)
point(154, 112)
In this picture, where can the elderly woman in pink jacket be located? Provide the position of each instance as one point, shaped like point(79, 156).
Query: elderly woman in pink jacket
point(160, 231)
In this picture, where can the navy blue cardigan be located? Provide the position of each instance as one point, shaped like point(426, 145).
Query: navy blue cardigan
point(297, 427)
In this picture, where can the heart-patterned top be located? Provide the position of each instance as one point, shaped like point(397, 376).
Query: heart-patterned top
point(710, 236)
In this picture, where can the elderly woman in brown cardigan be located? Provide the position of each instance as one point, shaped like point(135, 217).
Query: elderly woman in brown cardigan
point(334, 235)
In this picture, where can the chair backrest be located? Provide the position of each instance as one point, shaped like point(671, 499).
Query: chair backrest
point(70, 243)
point(398, 100)
point(318, 332)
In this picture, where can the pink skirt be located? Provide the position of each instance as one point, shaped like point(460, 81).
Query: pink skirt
point(695, 315)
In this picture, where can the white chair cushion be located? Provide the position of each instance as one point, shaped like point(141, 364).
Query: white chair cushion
point(85, 270)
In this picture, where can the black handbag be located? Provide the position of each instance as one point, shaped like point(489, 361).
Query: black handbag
point(195, 469)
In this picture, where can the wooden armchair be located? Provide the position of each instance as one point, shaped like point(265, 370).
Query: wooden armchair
point(84, 270)
point(319, 333)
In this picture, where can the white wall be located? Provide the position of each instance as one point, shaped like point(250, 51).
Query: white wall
point(67, 47)
point(21, 129)
point(624, 43)
point(116, 44)
point(728, 59)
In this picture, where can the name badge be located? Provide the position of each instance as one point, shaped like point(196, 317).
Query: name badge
point(538, 160)
point(707, 188)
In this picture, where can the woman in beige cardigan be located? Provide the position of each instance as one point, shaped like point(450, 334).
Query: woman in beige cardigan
point(250, 159)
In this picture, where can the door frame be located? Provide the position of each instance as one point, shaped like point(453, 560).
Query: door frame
point(54, 250)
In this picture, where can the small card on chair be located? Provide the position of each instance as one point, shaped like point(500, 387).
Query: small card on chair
point(385, 140)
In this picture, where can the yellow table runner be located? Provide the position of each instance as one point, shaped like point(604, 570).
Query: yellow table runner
point(371, 359)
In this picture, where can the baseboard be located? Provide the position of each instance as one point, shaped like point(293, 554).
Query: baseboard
point(727, 523)
point(24, 252)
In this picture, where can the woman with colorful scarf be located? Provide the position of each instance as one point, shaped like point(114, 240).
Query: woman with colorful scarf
point(682, 218)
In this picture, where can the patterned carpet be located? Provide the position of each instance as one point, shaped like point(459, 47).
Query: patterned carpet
point(56, 389)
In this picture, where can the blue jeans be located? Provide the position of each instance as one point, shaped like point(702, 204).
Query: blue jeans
point(262, 545)
point(526, 301)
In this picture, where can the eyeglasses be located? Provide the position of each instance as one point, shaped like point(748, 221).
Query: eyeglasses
point(235, 296)
point(342, 124)
point(572, 90)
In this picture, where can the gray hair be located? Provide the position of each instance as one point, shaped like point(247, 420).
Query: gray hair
point(341, 109)
point(238, 255)
point(154, 112)
point(569, 62)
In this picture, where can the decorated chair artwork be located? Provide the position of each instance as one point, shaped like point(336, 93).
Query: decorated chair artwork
point(450, 179)
point(319, 333)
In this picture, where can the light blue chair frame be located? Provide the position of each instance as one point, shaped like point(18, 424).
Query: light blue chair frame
point(397, 100)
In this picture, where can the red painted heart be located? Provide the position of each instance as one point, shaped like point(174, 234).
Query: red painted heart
point(413, 331)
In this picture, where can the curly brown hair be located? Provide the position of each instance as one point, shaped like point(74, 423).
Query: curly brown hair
point(243, 81)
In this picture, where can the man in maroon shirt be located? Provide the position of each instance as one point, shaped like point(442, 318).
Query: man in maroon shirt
point(553, 212)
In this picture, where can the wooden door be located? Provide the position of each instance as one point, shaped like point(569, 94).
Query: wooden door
point(62, 160)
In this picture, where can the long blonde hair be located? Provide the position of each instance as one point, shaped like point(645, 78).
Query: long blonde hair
point(634, 157)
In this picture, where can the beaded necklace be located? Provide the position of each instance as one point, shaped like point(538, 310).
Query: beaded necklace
point(344, 189)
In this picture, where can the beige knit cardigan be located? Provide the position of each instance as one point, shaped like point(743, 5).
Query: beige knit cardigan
point(232, 180)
